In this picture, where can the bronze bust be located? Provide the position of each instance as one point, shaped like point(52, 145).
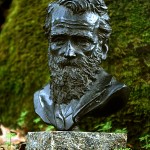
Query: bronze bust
point(78, 32)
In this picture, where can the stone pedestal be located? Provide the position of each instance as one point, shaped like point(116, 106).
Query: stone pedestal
point(70, 140)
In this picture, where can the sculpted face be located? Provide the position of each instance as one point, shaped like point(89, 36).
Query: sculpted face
point(73, 35)
point(73, 58)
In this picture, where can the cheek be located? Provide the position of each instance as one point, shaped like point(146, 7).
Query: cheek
point(54, 48)
point(89, 50)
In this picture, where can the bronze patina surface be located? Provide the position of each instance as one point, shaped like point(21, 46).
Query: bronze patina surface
point(78, 32)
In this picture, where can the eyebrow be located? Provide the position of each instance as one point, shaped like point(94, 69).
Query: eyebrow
point(75, 34)
point(85, 36)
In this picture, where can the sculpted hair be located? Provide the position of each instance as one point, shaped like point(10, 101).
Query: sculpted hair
point(80, 7)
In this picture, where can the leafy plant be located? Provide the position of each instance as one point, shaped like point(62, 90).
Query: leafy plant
point(107, 126)
point(9, 137)
point(123, 149)
point(40, 125)
point(50, 128)
point(21, 119)
point(146, 141)
point(124, 130)
point(36, 120)
point(104, 127)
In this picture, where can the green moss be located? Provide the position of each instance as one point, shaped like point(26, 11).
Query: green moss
point(24, 67)
point(23, 58)
point(129, 50)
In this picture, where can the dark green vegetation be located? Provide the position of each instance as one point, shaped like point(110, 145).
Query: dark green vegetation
point(23, 51)
point(24, 69)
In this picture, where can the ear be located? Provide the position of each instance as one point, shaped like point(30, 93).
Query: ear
point(104, 50)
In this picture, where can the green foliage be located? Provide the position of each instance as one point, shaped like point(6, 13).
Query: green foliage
point(128, 61)
point(8, 138)
point(40, 126)
point(104, 127)
point(37, 120)
point(24, 70)
point(23, 64)
point(123, 149)
point(107, 127)
point(21, 119)
point(146, 141)
point(50, 128)
point(124, 130)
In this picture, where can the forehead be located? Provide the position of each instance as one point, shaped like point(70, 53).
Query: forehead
point(63, 20)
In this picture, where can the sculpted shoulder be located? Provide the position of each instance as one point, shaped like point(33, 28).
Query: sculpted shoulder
point(104, 97)
point(41, 100)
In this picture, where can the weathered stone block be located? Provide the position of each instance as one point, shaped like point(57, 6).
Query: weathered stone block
point(71, 140)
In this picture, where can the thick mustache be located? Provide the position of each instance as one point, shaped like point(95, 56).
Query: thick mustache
point(72, 62)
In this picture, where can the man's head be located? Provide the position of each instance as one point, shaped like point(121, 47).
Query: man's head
point(85, 20)
point(78, 31)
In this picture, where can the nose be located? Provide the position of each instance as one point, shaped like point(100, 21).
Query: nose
point(70, 52)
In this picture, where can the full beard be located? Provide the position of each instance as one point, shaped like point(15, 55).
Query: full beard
point(70, 79)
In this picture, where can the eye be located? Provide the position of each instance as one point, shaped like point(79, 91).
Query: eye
point(85, 40)
point(58, 38)
point(82, 40)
